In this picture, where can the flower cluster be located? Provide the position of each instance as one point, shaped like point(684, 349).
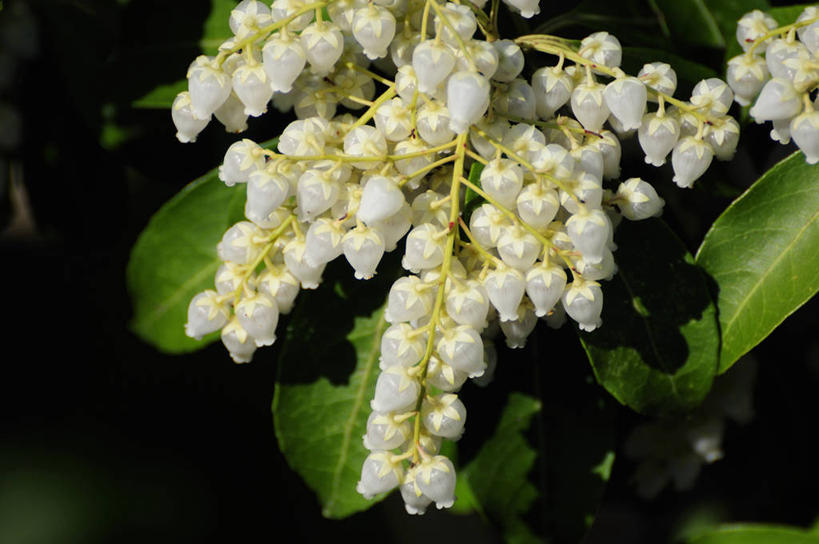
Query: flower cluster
point(433, 102)
point(778, 72)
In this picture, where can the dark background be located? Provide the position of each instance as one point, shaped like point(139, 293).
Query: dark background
point(103, 439)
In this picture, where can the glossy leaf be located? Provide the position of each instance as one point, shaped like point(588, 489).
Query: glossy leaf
point(175, 258)
point(657, 350)
point(162, 96)
point(786, 15)
point(691, 21)
point(327, 372)
point(747, 533)
point(544, 469)
point(762, 254)
point(495, 481)
point(471, 199)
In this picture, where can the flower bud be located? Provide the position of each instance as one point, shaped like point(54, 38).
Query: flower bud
point(690, 159)
point(284, 59)
point(252, 86)
point(294, 257)
point(240, 345)
point(778, 100)
point(588, 105)
point(805, 132)
point(602, 48)
point(401, 345)
point(241, 159)
point(510, 60)
point(409, 299)
point(753, 26)
point(436, 479)
point(259, 316)
point(374, 29)
point(589, 231)
point(505, 287)
point(323, 45)
point(240, 244)
point(746, 75)
point(280, 285)
point(379, 474)
point(467, 303)
point(462, 349)
point(395, 390)
point(206, 314)
point(544, 285)
point(432, 62)
point(657, 136)
point(638, 200)
point(659, 76)
point(188, 126)
point(467, 99)
point(626, 98)
point(384, 432)
point(553, 88)
point(518, 330)
point(209, 87)
point(363, 248)
point(583, 301)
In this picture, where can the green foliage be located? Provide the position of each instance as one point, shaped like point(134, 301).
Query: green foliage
point(545, 468)
point(691, 21)
point(785, 15)
point(471, 199)
point(175, 258)
point(747, 533)
point(496, 479)
point(762, 254)
point(658, 347)
point(162, 96)
point(327, 371)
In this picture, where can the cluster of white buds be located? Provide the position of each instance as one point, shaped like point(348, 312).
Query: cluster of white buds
point(693, 132)
point(779, 73)
point(673, 451)
point(355, 185)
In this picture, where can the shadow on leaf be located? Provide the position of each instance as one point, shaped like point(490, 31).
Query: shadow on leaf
point(316, 339)
point(658, 347)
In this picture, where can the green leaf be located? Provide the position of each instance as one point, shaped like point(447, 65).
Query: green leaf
point(620, 18)
point(162, 96)
point(747, 533)
point(215, 30)
point(495, 481)
point(175, 257)
point(762, 254)
point(786, 15)
point(327, 372)
point(691, 21)
point(657, 350)
point(472, 199)
point(544, 469)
